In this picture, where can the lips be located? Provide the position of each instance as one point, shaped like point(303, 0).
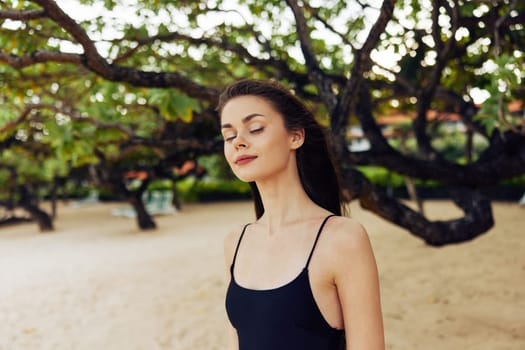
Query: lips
point(244, 159)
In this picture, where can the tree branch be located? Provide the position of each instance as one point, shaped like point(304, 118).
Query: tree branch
point(304, 36)
point(315, 13)
point(22, 15)
point(91, 55)
point(504, 159)
point(489, 20)
point(315, 73)
point(96, 63)
point(370, 127)
point(132, 142)
point(29, 108)
point(477, 217)
point(424, 97)
point(223, 44)
point(362, 63)
point(39, 57)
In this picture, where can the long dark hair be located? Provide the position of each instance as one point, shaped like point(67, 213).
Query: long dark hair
point(315, 162)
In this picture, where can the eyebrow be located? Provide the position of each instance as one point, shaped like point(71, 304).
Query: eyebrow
point(244, 120)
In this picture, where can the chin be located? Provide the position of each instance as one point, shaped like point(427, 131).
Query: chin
point(258, 173)
point(246, 174)
point(245, 177)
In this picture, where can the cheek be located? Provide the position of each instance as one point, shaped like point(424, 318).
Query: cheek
point(228, 153)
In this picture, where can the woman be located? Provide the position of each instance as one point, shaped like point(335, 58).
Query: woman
point(301, 276)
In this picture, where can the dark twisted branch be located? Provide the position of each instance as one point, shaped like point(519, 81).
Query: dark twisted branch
point(504, 158)
point(426, 94)
point(477, 217)
point(362, 63)
point(315, 73)
point(268, 65)
point(96, 63)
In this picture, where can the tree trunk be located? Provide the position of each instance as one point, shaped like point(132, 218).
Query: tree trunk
point(412, 192)
point(176, 198)
point(469, 146)
point(116, 182)
point(54, 200)
point(409, 182)
point(144, 220)
point(45, 223)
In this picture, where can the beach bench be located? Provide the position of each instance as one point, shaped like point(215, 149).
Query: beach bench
point(92, 198)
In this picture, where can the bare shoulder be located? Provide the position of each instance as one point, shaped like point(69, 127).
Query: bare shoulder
point(349, 245)
point(230, 243)
point(347, 234)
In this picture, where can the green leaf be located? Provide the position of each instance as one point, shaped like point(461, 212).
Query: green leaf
point(174, 105)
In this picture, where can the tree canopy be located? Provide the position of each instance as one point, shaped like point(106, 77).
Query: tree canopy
point(122, 85)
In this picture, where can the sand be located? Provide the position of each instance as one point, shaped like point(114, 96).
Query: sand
point(99, 283)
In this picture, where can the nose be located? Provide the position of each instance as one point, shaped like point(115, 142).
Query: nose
point(239, 142)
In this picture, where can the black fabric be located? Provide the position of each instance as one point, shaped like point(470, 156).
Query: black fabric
point(284, 318)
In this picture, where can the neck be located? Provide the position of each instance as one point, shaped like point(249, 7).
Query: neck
point(285, 201)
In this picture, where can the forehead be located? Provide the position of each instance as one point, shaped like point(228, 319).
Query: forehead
point(241, 106)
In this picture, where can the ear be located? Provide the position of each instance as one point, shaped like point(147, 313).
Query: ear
point(297, 138)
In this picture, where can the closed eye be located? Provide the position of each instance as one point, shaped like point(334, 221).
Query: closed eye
point(256, 131)
point(230, 138)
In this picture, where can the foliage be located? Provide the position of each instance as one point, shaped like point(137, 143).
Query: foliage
point(504, 85)
point(518, 181)
point(216, 167)
point(132, 86)
point(160, 185)
point(191, 190)
point(382, 176)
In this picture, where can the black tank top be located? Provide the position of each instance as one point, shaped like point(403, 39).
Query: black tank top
point(282, 318)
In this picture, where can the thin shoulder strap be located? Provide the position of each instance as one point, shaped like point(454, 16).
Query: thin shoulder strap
point(317, 238)
point(237, 248)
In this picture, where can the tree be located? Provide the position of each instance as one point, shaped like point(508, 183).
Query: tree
point(442, 52)
point(49, 142)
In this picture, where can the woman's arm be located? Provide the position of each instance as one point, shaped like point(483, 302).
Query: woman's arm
point(233, 341)
point(230, 242)
point(357, 284)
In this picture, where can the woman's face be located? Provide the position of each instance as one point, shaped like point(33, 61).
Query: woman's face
point(256, 143)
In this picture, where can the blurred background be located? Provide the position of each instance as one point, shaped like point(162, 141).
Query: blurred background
point(108, 131)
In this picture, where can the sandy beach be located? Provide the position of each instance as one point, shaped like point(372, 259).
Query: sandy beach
point(97, 282)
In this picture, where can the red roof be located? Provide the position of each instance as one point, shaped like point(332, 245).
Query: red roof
point(395, 118)
point(515, 106)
